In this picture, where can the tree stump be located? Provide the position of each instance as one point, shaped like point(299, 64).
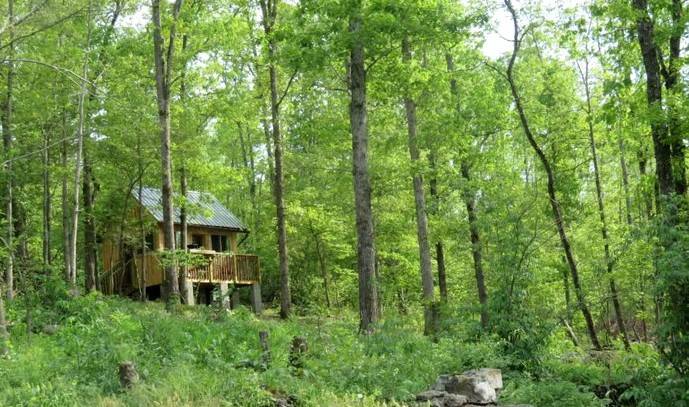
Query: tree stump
point(265, 356)
point(128, 374)
point(297, 352)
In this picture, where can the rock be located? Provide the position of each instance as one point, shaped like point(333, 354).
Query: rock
point(474, 388)
point(437, 398)
point(492, 376)
point(50, 329)
point(441, 382)
point(429, 395)
point(454, 400)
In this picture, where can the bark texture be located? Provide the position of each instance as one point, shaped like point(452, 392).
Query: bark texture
point(269, 10)
point(163, 73)
point(439, 247)
point(358, 117)
point(419, 203)
point(90, 240)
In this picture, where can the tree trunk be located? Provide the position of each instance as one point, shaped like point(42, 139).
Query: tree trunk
point(269, 10)
point(625, 181)
point(324, 270)
point(249, 163)
point(609, 264)
point(659, 131)
point(676, 139)
point(65, 202)
point(554, 202)
point(420, 204)
point(7, 137)
point(184, 283)
point(469, 196)
point(74, 230)
point(439, 249)
point(163, 72)
point(368, 294)
point(47, 258)
point(90, 241)
point(4, 334)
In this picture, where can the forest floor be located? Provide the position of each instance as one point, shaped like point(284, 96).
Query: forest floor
point(205, 356)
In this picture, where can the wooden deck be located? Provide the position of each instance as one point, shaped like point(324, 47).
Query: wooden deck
point(242, 269)
point(236, 269)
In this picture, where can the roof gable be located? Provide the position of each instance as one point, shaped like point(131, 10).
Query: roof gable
point(204, 209)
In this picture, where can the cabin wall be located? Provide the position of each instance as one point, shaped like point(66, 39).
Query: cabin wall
point(110, 253)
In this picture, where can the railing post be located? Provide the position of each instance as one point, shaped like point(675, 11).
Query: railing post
point(235, 268)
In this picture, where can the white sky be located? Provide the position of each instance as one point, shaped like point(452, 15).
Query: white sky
point(497, 42)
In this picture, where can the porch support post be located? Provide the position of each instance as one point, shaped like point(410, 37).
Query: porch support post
point(256, 302)
point(224, 300)
point(189, 294)
point(234, 300)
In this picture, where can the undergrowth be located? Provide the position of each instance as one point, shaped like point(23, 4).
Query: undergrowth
point(203, 356)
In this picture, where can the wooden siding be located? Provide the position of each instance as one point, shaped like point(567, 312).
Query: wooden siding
point(226, 267)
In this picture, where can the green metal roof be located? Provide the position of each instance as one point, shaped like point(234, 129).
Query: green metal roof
point(203, 209)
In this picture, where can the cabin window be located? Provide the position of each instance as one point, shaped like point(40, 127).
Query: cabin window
point(197, 241)
point(219, 243)
point(149, 241)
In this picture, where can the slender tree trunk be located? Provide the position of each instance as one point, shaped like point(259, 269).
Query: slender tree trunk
point(184, 283)
point(66, 227)
point(628, 206)
point(609, 264)
point(249, 164)
point(554, 202)
point(439, 249)
point(142, 227)
point(4, 334)
point(625, 181)
point(469, 196)
point(78, 162)
point(476, 247)
point(366, 257)
point(7, 138)
point(675, 127)
point(90, 243)
point(269, 10)
point(323, 267)
point(420, 204)
point(47, 258)
point(163, 73)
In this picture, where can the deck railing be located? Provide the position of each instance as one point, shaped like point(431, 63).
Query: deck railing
point(238, 268)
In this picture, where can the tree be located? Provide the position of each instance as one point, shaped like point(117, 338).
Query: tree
point(7, 138)
point(269, 10)
point(164, 58)
point(469, 197)
point(554, 202)
point(430, 317)
point(368, 294)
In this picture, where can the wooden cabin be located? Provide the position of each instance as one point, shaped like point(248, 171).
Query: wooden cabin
point(214, 237)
